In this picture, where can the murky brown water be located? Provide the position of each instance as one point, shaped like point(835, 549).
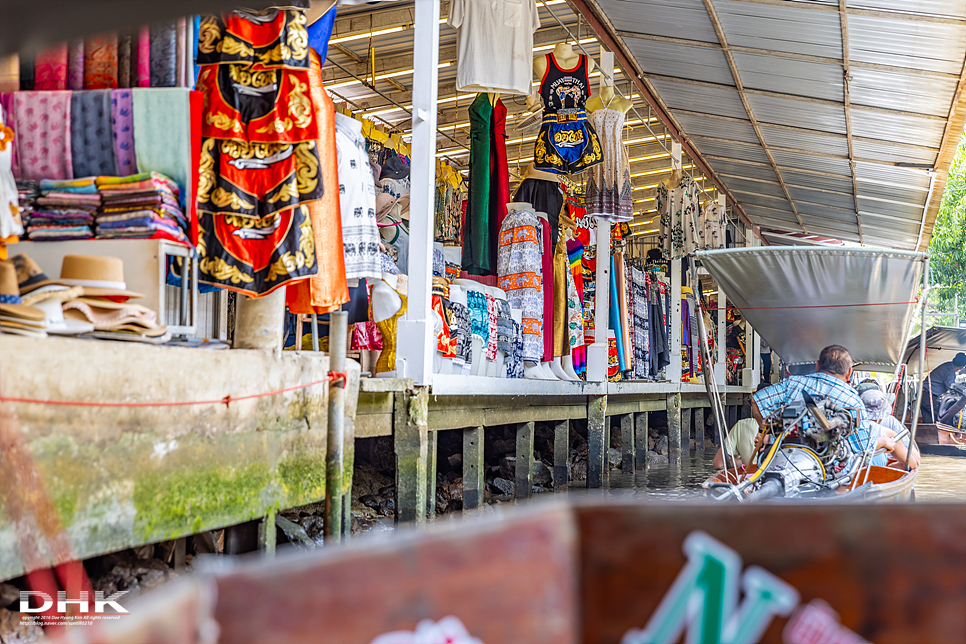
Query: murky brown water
point(941, 479)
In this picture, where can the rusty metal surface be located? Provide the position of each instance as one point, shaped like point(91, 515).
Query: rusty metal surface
point(894, 574)
point(508, 580)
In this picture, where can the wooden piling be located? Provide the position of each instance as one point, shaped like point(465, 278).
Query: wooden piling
point(473, 469)
point(410, 411)
point(699, 427)
point(432, 452)
point(674, 429)
point(628, 444)
point(686, 417)
point(561, 455)
point(640, 440)
point(524, 461)
point(266, 534)
point(596, 448)
point(335, 468)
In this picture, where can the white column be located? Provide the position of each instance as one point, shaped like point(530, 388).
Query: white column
point(720, 370)
point(416, 347)
point(597, 352)
point(674, 369)
point(606, 64)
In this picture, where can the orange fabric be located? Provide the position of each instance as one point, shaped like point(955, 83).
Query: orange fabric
point(328, 290)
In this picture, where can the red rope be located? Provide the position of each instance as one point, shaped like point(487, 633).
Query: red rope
point(227, 400)
point(817, 306)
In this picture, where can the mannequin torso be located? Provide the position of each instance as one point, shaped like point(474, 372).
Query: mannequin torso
point(533, 173)
point(608, 99)
point(566, 58)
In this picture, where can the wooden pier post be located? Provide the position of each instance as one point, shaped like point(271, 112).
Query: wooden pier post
point(674, 429)
point(473, 480)
point(266, 534)
point(640, 439)
point(432, 451)
point(524, 463)
point(336, 439)
point(596, 448)
point(410, 442)
point(628, 444)
point(699, 429)
point(686, 416)
point(561, 455)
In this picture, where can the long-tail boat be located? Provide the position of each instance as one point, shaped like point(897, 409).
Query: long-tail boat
point(801, 300)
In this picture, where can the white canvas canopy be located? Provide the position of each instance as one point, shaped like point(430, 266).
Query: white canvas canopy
point(942, 345)
point(802, 299)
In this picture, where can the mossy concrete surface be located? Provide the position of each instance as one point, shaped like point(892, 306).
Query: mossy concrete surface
point(126, 476)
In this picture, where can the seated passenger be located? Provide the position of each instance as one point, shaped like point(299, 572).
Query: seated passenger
point(877, 410)
point(739, 445)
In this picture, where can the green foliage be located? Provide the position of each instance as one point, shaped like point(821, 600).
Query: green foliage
point(947, 246)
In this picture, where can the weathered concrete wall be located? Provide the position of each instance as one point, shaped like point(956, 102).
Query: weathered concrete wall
point(121, 477)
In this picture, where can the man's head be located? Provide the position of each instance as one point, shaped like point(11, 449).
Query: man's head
point(836, 361)
point(960, 360)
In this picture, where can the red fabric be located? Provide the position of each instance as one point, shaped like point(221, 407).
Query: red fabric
point(499, 175)
point(547, 291)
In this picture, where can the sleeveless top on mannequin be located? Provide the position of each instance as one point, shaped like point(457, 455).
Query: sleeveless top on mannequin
point(567, 143)
point(609, 188)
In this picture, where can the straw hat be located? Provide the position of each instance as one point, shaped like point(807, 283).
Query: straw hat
point(11, 307)
point(55, 322)
point(30, 277)
point(101, 276)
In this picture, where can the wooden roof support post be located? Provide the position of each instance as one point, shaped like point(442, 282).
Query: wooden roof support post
point(415, 355)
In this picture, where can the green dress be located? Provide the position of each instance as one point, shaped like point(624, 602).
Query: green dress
point(477, 240)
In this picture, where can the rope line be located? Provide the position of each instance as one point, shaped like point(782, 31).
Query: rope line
point(818, 306)
point(226, 401)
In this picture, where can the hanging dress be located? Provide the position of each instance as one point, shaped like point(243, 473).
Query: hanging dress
point(520, 267)
point(476, 229)
point(567, 142)
point(609, 190)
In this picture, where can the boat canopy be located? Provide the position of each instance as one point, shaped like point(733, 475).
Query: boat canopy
point(942, 345)
point(802, 299)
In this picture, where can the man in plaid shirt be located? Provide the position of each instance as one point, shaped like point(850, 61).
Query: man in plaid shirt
point(831, 380)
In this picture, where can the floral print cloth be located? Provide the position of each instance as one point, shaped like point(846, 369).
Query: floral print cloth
point(520, 269)
point(41, 121)
point(679, 210)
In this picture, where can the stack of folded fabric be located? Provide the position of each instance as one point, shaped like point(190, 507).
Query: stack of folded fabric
point(106, 301)
point(141, 206)
point(65, 210)
point(27, 194)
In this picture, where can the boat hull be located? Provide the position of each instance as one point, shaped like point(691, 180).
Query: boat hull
point(940, 440)
point(887, 484)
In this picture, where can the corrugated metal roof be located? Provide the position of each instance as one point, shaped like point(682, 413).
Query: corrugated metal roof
point(821, 181)
point(926, 46)
point(728, 166)
point(669, 59)
point(794, 77)
point(780, 29)
point(903, 73)
point(807, 141)
point(717, 128)
point(696, 98)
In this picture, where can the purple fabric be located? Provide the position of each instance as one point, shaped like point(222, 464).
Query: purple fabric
point(75, 65)
point(92, 141)
point(122, 119)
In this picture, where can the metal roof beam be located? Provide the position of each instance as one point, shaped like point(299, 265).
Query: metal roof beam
point(722, 39)
point(779, 148)
point(872, 13)
point(846, 79)
point(909, 71)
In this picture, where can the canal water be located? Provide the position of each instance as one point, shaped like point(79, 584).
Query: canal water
point(941, 479)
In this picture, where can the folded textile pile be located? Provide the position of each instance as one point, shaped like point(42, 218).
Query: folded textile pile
point(141, 206)
point(65, 210)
